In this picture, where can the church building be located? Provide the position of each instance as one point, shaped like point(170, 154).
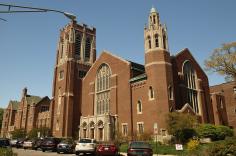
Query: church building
point(99, 97)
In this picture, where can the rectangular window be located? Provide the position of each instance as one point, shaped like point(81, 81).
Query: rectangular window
point(140, 127)
point(125, 129)
point(61, 75)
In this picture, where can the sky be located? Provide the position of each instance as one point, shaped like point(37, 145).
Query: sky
point(28, 41)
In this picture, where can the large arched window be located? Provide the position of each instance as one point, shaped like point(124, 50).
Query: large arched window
point(190, 84)
point(103, 89)
point(78, 44)
point(87, 49)
point(156, 40)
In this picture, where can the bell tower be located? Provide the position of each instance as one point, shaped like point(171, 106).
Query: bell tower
point(76, 52)
point(158, 67)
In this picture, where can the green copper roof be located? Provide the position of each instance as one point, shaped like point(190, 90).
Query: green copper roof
point(138, 78)
point(153, 9)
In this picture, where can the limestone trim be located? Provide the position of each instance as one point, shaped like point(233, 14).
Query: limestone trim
point(158, 63)
point(67, 94)
point(155, 50)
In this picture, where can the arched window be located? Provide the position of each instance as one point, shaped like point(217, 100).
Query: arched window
point(156, 40)
point(154, 19)
point(100, 130)
point(78, 44)
point(151, 93)
point(87, 49)
point(189, 81)
point(139, 107)
point(92, 124)
point(103, 89)
point(84, 130)
point(149, 42)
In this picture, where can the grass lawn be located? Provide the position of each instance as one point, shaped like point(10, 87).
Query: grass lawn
point(161, 149)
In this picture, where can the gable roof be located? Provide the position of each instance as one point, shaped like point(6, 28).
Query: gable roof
point(32, 100)
point(14, 104)
point(186, 50)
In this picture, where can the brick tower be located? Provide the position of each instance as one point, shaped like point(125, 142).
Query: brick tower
point(158, 67)
point(76, 53)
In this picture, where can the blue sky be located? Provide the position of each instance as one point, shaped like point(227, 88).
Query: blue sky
point(28, 41)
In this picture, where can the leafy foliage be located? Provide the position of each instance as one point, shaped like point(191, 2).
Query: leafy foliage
point(181, 126)
point(18, 133)
point(223, 61)
point(7, 152)
point(193, 144)
point(222, 148)
point(214, 132)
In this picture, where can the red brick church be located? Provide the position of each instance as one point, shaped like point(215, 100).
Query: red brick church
point(100, 96)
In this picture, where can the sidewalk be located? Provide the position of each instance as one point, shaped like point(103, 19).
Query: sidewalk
point(125, 154)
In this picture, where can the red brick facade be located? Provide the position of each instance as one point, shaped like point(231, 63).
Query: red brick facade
point(31, 112)
point(223, 96)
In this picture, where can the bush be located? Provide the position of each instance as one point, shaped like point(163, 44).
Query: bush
point(7, 152)
point(214, 132)
point(18, 133)
point(223, 148)
point(193, 144)
point(181, 126)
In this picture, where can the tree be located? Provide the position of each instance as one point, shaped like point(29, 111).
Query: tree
point(181, 126)
point(223, 61)
point(1, 116)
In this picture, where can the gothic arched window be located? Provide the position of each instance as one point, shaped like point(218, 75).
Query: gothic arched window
point(87, 49)
point(190, 84)
point(103, 89)
point(149, 42)
point(139, 107)
point(156, 40)
point(78, 44)
point(151, 93)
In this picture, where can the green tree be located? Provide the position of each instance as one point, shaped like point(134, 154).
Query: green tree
point(18, 133)
point(223, 61)
point(181, 126)
point(1, 116)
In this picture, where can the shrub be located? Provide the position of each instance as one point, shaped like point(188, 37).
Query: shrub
point(214, 132)
point(223, 148)
point(18, 133)
point(223, 131)
point(193, 144)
point(7, 152)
